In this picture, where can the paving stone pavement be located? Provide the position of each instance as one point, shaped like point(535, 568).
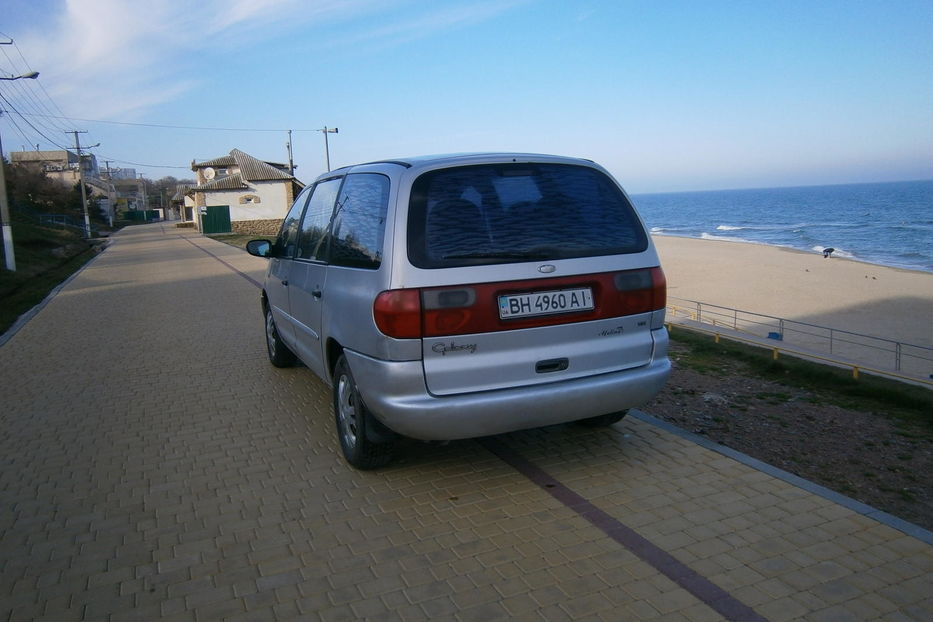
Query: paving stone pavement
point(156, 467)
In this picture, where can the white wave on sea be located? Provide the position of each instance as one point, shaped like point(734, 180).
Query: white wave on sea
point(887, 223)
point(723, 238)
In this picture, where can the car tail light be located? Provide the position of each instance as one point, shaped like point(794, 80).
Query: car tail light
point(449, 311)
point(398, 313)
point(640, 291)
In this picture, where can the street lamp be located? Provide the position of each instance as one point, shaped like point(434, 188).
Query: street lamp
point(326, 131)
point(9, 258)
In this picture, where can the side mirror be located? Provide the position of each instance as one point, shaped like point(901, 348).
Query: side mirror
point(259, 248)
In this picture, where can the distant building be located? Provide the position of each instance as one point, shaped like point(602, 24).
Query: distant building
point(130, 194)
point(183, 203)
point(242, 194)
point(118, 173)
point(59, 165)
point(62, 166)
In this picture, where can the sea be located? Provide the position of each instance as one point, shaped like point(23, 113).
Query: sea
point(890, 224)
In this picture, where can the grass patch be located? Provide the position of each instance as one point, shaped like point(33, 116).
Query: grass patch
point(45, 257)
point(911, 403)
point(235, 239)
point(774, 398)
point(905, 493)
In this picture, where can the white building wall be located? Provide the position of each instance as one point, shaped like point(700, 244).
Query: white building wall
point(272, 201)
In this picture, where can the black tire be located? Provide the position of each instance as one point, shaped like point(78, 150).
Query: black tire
point(354, 423)
point(602, 421)
point(279, 354)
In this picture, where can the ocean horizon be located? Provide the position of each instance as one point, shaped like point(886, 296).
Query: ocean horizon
point(888, 223)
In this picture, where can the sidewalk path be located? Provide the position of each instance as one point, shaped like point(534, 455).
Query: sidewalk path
point(156, 467)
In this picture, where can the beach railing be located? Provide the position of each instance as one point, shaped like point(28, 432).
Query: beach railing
point(843, 345)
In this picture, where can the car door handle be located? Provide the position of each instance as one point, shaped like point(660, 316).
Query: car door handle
point(317, 293)
point(285, 283)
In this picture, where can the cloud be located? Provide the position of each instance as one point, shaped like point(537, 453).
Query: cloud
point(419, 26)
point(116, 59)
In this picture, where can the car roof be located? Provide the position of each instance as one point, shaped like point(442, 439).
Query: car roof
point(458, 159)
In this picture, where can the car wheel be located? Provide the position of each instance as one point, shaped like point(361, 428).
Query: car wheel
point(601, 421)
point(353, 422)
point(279, 354)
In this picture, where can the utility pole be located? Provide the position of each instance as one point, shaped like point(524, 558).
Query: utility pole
point(111, 196)
point(8, 252)
point(326, 131)
point(142, 183)
point(291, 164)
point(87, 217)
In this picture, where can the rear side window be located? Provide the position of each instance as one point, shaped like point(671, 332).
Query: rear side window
point(360, 221)
point(489, 214)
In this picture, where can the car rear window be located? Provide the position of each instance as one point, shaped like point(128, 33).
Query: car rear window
point(491, 214)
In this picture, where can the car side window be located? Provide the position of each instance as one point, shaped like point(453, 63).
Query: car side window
point(313, 232)
point(287, 240)
point(359, 224)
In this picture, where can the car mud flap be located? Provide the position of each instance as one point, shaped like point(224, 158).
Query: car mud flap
point(377, 432)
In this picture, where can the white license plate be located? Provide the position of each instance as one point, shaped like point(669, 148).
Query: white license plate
point(544, 303)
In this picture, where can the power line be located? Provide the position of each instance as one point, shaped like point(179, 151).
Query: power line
point(30, 101)
point(30, 104)
point(18, 128)
point(37, 130)
point(41, 86)
point(176, 127)
point(29, 97)
point(112, 159)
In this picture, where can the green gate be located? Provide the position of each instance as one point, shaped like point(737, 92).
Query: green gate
point(215, 219)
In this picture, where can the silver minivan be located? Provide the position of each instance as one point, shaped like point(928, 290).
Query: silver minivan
point(450, 297)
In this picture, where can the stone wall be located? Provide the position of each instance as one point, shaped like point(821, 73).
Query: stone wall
point(267, 228)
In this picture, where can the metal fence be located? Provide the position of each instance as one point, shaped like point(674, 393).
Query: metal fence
point(877, 352)
point(63, 220)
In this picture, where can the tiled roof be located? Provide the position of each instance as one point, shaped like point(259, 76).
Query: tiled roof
point(180, 191)
point(230, 182)
point(222, 161)
point(251, 169)
point(256, 170)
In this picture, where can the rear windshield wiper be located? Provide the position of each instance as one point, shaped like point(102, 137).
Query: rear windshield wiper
point(510, 255)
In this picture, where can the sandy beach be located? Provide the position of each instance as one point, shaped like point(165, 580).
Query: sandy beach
point(839, 293)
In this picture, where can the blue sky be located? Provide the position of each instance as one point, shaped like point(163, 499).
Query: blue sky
point(668, 96)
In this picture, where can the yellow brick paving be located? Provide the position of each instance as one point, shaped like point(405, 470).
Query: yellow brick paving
point(156, 467)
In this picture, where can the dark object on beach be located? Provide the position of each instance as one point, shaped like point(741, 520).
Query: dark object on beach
point(827, 252)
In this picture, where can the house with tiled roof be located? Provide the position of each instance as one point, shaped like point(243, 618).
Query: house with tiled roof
point(241, 194)
point(182, 203)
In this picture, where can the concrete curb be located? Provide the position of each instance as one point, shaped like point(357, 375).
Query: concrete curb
point(914, 531)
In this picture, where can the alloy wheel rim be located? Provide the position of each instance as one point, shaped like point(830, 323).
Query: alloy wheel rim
point(270, 333)
point(346, 411)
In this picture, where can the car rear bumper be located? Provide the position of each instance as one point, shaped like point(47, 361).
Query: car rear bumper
point(396, 394)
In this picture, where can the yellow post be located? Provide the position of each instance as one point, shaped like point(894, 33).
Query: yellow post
point(774, 354)
point(855, 372)
point(717, 337)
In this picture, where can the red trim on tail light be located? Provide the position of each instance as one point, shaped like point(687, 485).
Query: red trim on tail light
point(473, 308)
